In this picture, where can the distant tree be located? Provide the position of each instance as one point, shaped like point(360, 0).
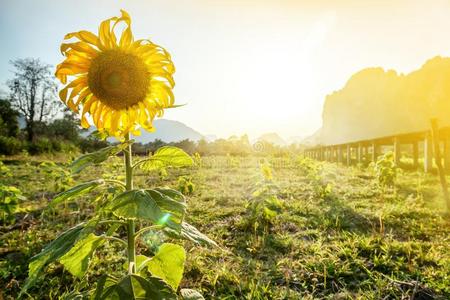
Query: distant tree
point(9, 125)
point(155, 145)
point(187, 145)
point(32, 92)
point(66, 128)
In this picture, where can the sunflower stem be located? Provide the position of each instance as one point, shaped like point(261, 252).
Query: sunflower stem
point(130, 223)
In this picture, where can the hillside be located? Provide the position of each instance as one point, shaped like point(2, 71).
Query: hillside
point(272, 138)
point(375, 102)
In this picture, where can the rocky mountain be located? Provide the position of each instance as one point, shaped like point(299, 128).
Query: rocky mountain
point(166, 130)
point(272, 138)
point(376, 103)
point(169, 131)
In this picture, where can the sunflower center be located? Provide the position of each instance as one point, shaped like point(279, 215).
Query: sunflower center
point(118, 79)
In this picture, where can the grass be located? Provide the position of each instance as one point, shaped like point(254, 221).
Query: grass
point(339, 236)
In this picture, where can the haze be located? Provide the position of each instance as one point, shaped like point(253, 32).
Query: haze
point(246, 66)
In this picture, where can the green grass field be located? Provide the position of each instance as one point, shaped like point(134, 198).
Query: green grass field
point(338, 236)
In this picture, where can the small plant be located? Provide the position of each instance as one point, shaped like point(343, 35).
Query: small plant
point(4, 170)
point(9, 203)
point(264, 205)
point(386, 170)
point(185, 185)
point(61, 177)
point(197, 160)
point(322, 189)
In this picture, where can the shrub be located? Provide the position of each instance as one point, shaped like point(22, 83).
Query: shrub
point(386, 170)
point(185, 185)
point(264, 205)
point(41, 145)
point(10, 145)
point(9, 203)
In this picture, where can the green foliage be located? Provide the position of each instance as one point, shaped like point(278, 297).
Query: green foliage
point(4, 170)
point(160, 206)
point(264, 205)
point(61, 178)
point(77, 191)
point(136, 287)
point(185, 185)
point(158, 210)
point(353, 245)
point(9, 203)
point(77, 259)
point(166, 157)
point(40, 145)
point(197, 159)
point(96, 157)
point(321, 187)
point(53, 251)
point(386, 170)
point(190, 233)
point(10, 145)
point(9, 125)
point(168, 264)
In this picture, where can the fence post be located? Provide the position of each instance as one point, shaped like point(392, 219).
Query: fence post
point(437, 156)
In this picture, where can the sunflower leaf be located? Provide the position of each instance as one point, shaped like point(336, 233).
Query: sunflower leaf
point(78, 190)
point(151, 206)
point(97, 157)
point(137, 287)
point(189, 232)
point(77, 260)
point(167, 156)
point(168, 264)
point(52, 252)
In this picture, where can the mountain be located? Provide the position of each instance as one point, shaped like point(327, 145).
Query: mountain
point(169, 131)
point(166, 130)
point(272, 138)
point(295, 139)
point(376, 103)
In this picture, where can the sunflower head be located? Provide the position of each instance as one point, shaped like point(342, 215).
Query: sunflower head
point(122, 84)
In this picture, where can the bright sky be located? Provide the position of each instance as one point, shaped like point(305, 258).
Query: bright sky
point(247, 66)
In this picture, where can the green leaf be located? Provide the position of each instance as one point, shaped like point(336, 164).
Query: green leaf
point(137, 287)
point(141, 261)
point(188, 294)
point(76, 261)
point(167, 156)
point(97, 157)
point(78, 190)
point(170, 202)
point(139, 204)
point(103, 284)
point(189, 232)
point(53, 251)
point(168, 264)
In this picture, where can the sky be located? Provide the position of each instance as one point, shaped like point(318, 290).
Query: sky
point(247, 66)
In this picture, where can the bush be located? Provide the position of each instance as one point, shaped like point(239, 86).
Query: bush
point(10, 145)
point(42, 145)
point(63, 146)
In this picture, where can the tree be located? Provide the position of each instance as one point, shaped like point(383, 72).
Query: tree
point(9, 125)
point(33, 92)
point(66, 128)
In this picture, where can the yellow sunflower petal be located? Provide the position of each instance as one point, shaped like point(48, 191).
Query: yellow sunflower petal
point(84, 36)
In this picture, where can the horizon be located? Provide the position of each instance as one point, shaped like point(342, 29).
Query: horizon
point(307, 51)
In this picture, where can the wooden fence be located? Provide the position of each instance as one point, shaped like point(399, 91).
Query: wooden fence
point(365, 151)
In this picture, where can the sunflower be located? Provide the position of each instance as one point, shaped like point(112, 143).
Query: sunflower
point(122, 84)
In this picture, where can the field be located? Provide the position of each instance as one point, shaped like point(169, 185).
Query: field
point(339, 235)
